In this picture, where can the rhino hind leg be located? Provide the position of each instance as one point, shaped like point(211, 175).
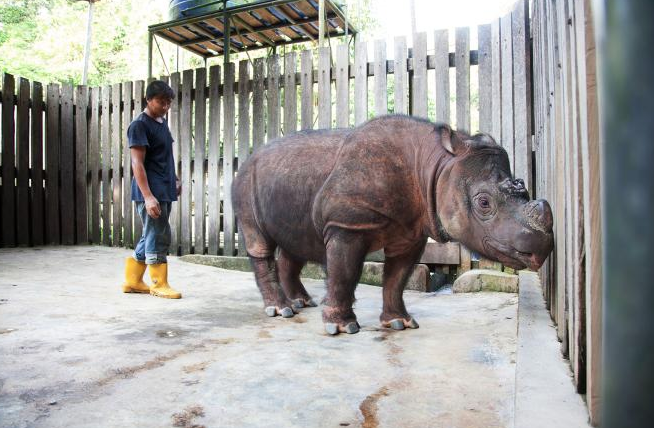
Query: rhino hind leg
point(274, 298)
point(289, 274)
point(346, 252)
point(396, 273)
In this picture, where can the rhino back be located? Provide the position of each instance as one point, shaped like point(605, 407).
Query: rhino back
point(278, 184)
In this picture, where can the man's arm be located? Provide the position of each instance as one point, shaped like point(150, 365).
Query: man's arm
point(151, 203)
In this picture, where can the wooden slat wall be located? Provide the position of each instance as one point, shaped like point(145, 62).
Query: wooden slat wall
point(567, 167)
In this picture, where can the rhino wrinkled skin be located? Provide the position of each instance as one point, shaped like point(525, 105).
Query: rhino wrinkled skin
point(332, 196)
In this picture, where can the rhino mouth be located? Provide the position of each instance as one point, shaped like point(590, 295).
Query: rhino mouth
point(510, 256)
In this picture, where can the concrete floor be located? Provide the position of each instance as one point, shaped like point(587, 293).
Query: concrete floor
point(76, 352)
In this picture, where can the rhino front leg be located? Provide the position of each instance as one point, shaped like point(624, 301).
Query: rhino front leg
point(346, 252)
point(274, 299)
point(396, 272)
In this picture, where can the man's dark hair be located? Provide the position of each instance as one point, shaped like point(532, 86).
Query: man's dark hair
point(158, 88)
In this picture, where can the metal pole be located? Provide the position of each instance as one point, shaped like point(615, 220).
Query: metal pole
point(87, 47)
point(625, 31)
point(150, 35)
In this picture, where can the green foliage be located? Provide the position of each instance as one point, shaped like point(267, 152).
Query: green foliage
point(44, 40)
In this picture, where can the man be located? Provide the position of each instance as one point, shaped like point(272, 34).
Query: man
point(154, 187)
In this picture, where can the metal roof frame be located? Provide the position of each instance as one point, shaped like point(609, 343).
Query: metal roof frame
point(250, 26)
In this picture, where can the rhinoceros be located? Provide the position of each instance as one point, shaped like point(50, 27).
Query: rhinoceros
point(333, 196)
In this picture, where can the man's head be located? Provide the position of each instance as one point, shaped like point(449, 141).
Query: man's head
point(159, 97)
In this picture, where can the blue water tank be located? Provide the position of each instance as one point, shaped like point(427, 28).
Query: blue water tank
point(179, 8)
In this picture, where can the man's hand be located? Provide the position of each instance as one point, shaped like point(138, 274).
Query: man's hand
point(179, 186)
point(152, 207)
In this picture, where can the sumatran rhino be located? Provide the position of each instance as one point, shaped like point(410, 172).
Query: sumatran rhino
point(332, 196)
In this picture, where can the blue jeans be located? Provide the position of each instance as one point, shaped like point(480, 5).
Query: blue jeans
point(153, 246)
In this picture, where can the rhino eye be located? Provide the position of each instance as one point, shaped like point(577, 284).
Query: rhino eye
point(484, 205)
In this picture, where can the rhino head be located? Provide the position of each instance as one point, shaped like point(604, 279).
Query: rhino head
point(481, 205)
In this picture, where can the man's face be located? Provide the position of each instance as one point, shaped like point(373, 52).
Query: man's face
point(159, 105)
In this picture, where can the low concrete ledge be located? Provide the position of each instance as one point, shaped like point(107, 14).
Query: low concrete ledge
point(372, 271)
point(485, 280)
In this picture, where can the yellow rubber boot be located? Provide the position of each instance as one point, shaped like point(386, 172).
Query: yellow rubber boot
point(160, 286)
point(134, 271)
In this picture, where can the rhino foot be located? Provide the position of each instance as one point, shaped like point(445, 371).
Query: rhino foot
point(302, 302)
point(400, 323)
point(349, 328)
point(286, 312)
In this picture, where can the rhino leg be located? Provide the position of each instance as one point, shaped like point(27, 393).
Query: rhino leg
point(396, 272)
point(289, 275)
point(274, 299)
point(346, 252)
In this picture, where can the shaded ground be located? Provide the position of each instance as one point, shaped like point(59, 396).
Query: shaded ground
point(74, 351)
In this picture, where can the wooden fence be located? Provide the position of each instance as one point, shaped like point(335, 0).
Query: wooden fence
point(66, 176)
point(567, 147)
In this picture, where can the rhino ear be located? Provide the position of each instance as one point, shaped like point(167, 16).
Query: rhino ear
point(450, 140)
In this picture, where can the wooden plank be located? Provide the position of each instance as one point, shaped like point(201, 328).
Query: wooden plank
point(105, 135)
point(361, 82)
point(116, 162)
point(591, 167)
point(342, 86)
point(507, 88)
point(128, 209)
point(258, 119)
point(94, 164)
point(185, 139)
point(37, 202)
point(243, 111)
point(8, 162)
point(67, 165)
point(521, 93)
point(306, 81)
point(559, 190)
point(228, 148)
point(380, 94)
point(290, 94)
point(574, 290)
point(437, 253)
point(273, 98)
point(199, 184)
point(23, 163)
point(213, 167)
point(173, 125)
point(442, 73)
point(139, 105)
point(419, 78)
point(496, 82)
point(81, 165)
point(324, 89)
point(243, 128)
point(485, 78)
point(462, 64)
point(52, 165)
point(401, 76)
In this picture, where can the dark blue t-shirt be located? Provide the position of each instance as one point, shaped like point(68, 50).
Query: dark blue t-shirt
point(159, 163)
